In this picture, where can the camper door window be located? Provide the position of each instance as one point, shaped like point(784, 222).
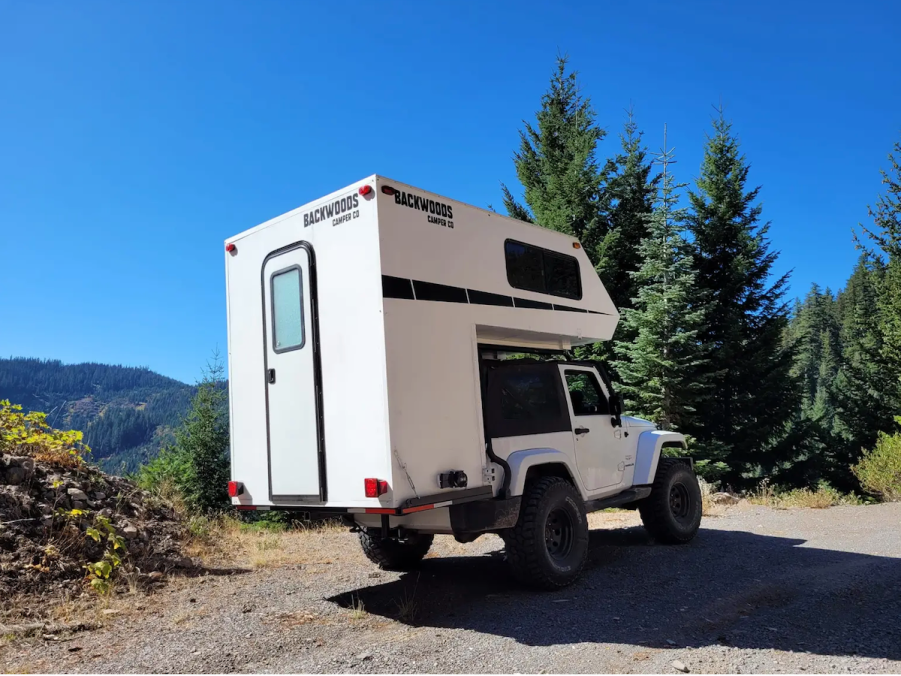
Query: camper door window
point(287, 310)
point(532, 268)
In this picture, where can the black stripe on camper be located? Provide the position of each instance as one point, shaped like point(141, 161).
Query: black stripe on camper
point(485, 298)
point(411, 289)
point(397, 287)
point(439, 292)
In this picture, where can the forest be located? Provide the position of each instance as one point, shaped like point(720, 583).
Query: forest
point(127, 414)
point(709, 343)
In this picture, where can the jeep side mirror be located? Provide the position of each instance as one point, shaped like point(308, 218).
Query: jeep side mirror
point(616, 409)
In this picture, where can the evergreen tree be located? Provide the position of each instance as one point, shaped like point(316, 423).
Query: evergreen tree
point(627, 202)
point(202, 444)
point(556, 164)
point(657, 367)
point(813, 337)
point(886, 236)
point(753, 393)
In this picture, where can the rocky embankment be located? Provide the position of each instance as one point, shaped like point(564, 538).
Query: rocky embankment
point(56, 522)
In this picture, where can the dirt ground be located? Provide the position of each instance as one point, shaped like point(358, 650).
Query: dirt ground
point(759, 590)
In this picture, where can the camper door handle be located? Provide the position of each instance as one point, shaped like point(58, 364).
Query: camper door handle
point(270, 375)
point(582, 430)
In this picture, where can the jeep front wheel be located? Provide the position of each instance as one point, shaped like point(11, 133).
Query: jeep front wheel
point(548, 546)
point(672, 512)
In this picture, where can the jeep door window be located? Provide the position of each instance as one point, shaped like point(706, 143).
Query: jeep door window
point(585, 394)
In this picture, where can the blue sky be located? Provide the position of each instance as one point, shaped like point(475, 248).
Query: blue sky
point(135, 137)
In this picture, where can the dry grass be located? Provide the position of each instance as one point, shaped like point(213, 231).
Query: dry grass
point(358, 610)
point(821, 498)
point(226, 540)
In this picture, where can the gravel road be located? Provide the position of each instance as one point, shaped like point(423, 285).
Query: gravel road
point(759, 590)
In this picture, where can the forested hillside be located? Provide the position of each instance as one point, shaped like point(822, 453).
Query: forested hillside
point(127, 414)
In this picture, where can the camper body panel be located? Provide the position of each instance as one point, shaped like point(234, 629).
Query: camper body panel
point(350, 345)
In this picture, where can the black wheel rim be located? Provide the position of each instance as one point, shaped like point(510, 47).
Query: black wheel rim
point(679, 502)
point(558, 534)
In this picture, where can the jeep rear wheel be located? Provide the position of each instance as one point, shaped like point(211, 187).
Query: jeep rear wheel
point(672, 512)
point(394, 554)
point(548, 546)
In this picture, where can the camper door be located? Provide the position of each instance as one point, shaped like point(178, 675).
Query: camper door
point(293, 405)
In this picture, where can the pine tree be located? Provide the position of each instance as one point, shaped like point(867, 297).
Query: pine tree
point(753, 393)
point(202, 444)
point(627, 202)
point(657, 367)
point(556, 164)
point(886, 236)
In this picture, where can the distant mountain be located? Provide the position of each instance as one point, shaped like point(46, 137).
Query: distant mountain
point(127, 414)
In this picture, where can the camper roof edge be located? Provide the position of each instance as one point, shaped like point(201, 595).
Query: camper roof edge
point(370, 178)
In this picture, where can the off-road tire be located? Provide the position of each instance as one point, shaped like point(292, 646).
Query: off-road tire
point(394, 554)
point(672, 512)
point(535, 559)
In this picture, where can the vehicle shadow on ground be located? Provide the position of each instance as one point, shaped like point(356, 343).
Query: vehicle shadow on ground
point(727, 587)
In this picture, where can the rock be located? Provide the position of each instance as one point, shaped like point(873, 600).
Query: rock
point(110, 611)
point(78, 504)
point(77, 494)
point(364, 656)
point(130, 532)
point(98, 495)
point(15, 475)
point(155, 575)
point(679, 666)
point(723, 499)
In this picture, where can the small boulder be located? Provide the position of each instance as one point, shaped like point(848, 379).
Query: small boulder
point(78, 504)
point(155, 575)
point(15, 475)
point(680, 666)
point(77, 494)
point(99, 495)
point(130, 532)
point(724, 499)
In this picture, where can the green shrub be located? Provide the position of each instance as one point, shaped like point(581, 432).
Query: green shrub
point(879, 471)
point(194, 473)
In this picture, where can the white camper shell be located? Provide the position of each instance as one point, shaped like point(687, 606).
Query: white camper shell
point(362, 331)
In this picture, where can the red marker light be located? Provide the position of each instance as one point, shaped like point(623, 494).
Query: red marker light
point(365, 190)
point(231, 248)
point(388, 190)
point(235, 488)
point(375, 487)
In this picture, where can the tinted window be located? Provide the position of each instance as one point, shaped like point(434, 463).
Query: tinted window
point(287, 310)
point(562, 275)
point(585, 394)
point(532, 268)
point(529, 396)
point(525, 267)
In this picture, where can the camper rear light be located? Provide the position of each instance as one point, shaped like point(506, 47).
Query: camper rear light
point(365, 190)
point(235, 488)
point(375, 487)
point(388, 190)
point(231, 248)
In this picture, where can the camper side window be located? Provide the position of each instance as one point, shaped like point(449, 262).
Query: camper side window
point(287, 310)
point(532, 268)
